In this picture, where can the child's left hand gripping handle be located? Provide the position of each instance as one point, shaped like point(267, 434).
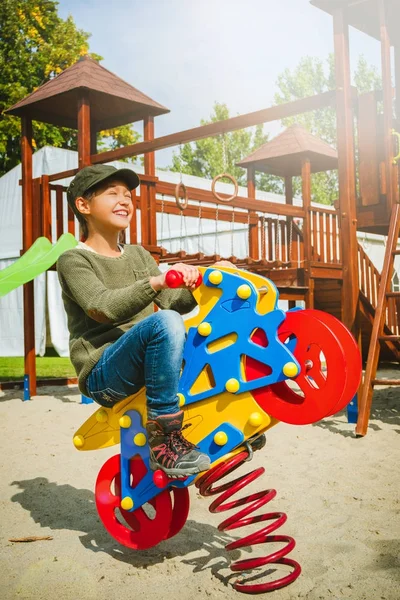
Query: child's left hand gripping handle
point(174, 279)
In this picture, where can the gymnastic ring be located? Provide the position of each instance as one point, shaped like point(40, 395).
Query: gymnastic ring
point(181, 204)
point(235, 183)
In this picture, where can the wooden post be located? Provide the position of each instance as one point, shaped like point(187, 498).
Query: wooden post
point(254, 250)
point(306, 195)
point(347, 185)
point(397, 92)
point(27, 233)
point(150, 169)
point(289, 189)
point(397, 81)
point(46, 207)
point(289, 220)
point(84, 140)
point(391, 171)
point(93, 138)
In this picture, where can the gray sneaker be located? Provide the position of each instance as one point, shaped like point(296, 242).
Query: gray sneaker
point(170, 451)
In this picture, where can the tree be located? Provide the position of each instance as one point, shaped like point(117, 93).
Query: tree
point(219, 154)
point(35, 46)
point(314, 76)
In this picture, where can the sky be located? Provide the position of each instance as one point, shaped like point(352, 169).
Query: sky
point(189, 54)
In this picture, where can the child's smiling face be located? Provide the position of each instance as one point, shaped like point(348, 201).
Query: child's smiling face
point(110, 208)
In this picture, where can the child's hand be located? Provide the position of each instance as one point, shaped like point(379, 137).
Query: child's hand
point(189, 273)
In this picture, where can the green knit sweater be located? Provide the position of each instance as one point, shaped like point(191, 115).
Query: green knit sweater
point(104, 296)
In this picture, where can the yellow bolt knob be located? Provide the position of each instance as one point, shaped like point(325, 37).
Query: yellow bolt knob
point(140, 439)
point(102, 416)
point(290, 369)
point(182, 399)
point(232, 385)
point(244, 291)
point(79, 441)
point(220, 438)
point(125, 422)
point(127, 503)
point(255, 419)
point(215, 277)
point(204, 329)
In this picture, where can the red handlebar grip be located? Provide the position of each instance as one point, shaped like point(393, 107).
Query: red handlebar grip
point(174, 279)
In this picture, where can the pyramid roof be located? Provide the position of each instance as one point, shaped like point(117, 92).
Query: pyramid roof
point(113, 101)
point(285, 153)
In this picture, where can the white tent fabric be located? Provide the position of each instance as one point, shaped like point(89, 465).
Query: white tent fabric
point(190, 234)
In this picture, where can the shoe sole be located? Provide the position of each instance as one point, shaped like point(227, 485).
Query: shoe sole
point(199, 468)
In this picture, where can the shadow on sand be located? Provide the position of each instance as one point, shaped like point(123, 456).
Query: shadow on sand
point(61, 507)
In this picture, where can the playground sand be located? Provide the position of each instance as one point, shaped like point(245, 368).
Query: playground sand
point(341, 495)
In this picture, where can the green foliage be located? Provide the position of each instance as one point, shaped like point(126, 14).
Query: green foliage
point(35, 46)
point(213, 156)
point(119, 137)
point(314, 76)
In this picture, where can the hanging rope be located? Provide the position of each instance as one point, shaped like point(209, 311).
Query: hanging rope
point(263, 248)
point(232, 228)
point(224, 175)
point(181, 202)
point(216, 240)
point(200, 236)
point(248, 233)
point(162, 220)
point(289, 258)
point(277, 239)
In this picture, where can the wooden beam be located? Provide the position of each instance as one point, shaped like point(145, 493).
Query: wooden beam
point(150, 221)
point(347, 184)
point(84, 141)
point(149, 162)
point(168, 189)
point(388, 141)
point(27, 234)
point(265, 115)
point(397, 82)
point(368, 156)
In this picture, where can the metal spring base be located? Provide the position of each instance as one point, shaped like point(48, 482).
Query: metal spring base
point(241, 519)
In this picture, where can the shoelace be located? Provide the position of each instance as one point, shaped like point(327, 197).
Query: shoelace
point(180, 442)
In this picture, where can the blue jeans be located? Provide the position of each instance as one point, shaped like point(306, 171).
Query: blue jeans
point(150, 355)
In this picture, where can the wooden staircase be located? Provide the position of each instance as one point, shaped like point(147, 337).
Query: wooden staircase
point(379, 334)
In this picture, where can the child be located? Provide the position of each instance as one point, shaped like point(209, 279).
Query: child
point(117, 343)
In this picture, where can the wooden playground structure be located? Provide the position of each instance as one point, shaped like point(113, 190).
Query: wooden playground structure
point(311, 253)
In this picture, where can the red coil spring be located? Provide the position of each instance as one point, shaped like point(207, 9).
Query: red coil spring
point(241, 519)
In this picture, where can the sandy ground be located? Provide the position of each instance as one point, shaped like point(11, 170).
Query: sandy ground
point(341, 495)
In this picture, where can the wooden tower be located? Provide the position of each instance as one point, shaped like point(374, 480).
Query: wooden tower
point(295, 152)
point(89, 98)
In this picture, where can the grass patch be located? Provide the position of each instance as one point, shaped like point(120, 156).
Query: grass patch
point(12, 368)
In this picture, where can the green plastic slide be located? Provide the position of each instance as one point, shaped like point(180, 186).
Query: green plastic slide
point(40, 257)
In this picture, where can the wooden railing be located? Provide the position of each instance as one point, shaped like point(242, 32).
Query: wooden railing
point(324, 225)
point(370, 280)
point(281, 240)
point(369, 277)
point(274, 235)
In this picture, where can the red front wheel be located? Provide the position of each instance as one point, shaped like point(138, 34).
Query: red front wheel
point(159, 519)
point(322, 381)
